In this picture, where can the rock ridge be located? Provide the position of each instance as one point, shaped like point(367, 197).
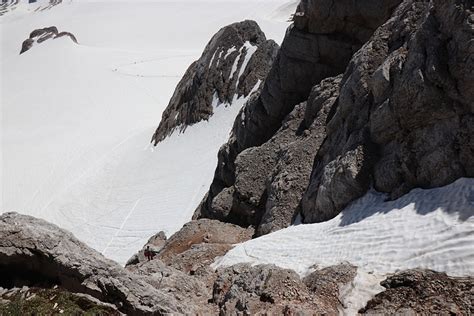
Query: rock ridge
point(38, 36)
point(233, 64)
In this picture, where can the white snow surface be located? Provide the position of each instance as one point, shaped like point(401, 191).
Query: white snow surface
point(250, 50)
point(432, 229)
point(76, 120)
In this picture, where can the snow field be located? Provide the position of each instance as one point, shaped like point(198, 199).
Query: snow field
point(77, 119)
point(432, 229)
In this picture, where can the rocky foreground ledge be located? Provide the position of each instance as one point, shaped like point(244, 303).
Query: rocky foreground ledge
point(44, 267)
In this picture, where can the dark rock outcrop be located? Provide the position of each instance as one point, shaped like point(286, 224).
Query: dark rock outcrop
point(404, 112)
point(236, 59)
point(271, 179)
point(40, 35)
point(319, 45)
point(178, 281)
point(267, 289)
point(423, 292)
point(42, 266)
point(400, 118)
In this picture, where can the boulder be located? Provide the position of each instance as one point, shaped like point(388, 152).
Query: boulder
point(193, 290)
point(423, 292)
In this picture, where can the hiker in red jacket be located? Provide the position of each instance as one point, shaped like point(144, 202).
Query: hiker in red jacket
point(149, 254)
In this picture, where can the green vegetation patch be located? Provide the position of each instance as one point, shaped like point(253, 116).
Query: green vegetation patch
point(36, 301)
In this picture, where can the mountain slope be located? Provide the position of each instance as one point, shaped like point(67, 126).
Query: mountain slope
point(77, 119)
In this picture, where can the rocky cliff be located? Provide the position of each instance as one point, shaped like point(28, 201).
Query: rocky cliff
point(399, 117)
point(233, 64)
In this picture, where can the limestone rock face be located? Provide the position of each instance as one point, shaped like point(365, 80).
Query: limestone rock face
point(272, 178)
point(34, 252)
point(40, 35)
point(314, 48)
point(234, 63)
point(404, 112)
point(400, 118)
point(423, 292)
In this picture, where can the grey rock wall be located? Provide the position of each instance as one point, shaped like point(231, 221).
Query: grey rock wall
point(233, 63)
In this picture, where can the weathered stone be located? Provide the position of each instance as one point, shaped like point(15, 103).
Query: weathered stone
point(423, 292)
point(34, 252)
point(68, 34)
point(311, 52)
point(203, 231)
point(267, 289)
point(195, 247)
point(271, 179)
point(193, 290)
point(400, 119)
point(327, 283)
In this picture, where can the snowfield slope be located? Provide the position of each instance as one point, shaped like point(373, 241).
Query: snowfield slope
point(77, 119)
point(431, 229)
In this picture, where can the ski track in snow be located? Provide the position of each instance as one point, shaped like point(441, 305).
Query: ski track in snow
point(121, 226)
point(432, 229)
